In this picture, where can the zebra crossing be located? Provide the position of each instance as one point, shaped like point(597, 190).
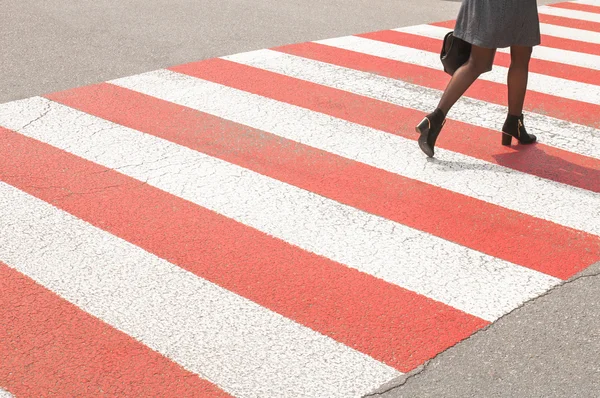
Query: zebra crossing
point(264, 224)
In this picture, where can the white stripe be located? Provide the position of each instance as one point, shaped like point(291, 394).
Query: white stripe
point(571, 137)
point(537, 82)
point(574, 14)
point(587, 36)
point(463, 278)
point(561, 56)
point(588, 2)
point(540, 52)
point(244, 348)
point(508, 188)
point(5, 394)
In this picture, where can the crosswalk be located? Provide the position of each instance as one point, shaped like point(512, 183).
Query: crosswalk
point(264, 224)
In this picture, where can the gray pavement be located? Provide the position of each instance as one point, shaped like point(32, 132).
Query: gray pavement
point(54, 45)
point(548, 348)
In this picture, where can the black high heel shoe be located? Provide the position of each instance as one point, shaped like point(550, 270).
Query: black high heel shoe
point(430, 129)
point(513, 127)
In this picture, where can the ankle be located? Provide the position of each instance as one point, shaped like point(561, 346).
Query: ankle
point(437, 116)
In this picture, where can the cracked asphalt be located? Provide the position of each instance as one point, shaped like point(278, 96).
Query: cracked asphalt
point(549, 347)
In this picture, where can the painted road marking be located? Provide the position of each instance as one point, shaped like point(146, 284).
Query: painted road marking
point(573, 14)
point(364, 188)
point(561, 70)
point(565, 135)
point(90, 355)
point(589, 2)
point(203, 327)
point(508, 188)
point(319, 293)
point(557, 55)
point(578, 6)
point(5, 394)
point(548, 18)
point(263, 224)
point(480, 285)
point(570, 33)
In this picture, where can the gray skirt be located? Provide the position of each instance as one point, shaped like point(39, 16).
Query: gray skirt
point(498, 23)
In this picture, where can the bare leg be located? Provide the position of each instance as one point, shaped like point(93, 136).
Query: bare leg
point(481, 61)
point(517, 78)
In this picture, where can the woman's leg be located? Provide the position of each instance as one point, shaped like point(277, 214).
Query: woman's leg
point(517, 88)
point(517, 78)
point(481, 61)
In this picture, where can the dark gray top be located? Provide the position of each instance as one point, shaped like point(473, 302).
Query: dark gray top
point(498, 23)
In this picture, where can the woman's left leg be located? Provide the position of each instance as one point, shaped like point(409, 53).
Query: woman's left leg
point(480, 61)
point(518, 74)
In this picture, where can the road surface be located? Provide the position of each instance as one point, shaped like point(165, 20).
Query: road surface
point(263, 223)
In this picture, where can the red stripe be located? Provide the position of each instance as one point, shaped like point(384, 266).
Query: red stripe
point(578, 7)
point(393, 325)
point(570, 22)
point(541, 160)
point(49, 347)
point(549, 68)
point(571, 45)
point(555, 106)
point(470, 222)
point(548, 41)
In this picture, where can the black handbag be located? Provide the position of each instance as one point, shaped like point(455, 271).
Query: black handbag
point(455, 52)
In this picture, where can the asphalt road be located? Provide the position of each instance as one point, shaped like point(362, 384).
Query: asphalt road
point(55, 45)
point(548, 348)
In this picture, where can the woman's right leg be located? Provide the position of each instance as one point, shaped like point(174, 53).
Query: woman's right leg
point(517, 88)
point(481, 61)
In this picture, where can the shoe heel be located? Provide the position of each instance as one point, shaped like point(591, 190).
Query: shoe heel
point(423, 126)
point(506, 139)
